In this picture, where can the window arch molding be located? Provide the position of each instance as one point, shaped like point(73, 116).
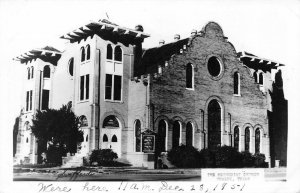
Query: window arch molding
point(255, 76)
point(118, 53)
point(117, 115)
point(137, 135)
point(88, 52)
point(190, 76)
point(251, 134)
point(82, 54)
point(221, 103)
point(237, 83)
point(83, 121)
point(192, 134)
point(261, 78)
point(46, 71)
point(221, 65)
point(28, 73)
point(32, 71)
point(157, 122)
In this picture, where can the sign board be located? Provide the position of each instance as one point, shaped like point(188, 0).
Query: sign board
point(148, 143)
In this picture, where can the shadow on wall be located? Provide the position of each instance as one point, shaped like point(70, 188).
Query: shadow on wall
point(278, 123)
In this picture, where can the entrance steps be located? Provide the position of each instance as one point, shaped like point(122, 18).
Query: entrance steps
point(73, 161)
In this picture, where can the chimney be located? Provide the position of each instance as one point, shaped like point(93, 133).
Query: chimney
point(194, 32)
point(139, 28)
point(161, 42)
point(176, 37)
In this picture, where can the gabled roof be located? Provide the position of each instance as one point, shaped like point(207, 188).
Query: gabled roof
point(102, 27)
point(157, 56)
point(255, 62)
point(47, 54)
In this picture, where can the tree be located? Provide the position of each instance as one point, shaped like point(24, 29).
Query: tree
point(60, 128)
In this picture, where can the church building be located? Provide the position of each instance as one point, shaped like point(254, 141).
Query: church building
point(197, 91)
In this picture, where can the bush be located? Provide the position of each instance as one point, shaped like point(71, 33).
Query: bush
point(103, 156)
point(259, 161)
point(184, 157)
point(227, 157)
point(221, 157)
point(55, 154)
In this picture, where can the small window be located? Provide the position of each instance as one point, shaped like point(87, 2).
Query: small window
point(82, 54)
point(189, 134)
point(32, 71)
point(189, 76)
point(108, 86)
point(114, 138)
point(88, 52)
point(28, 73)
point(109, 52)
point(105, 138)
point(247, 139)
point(257, 140)
point(29, 100)
point(47, 71)
point(161, 136)
point(214, 66)
point(117, 87)
point(261, 78)
point(118, 54)
point(45, 99)
point(83, 121)
point(87, 138)
point(236, 83)
point(236, 138)
point(27, 140)
point(137, 135)
point(84, 87)
point(255, 77)
point(71, 66)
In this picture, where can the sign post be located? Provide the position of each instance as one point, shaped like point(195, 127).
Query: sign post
point(148, 146)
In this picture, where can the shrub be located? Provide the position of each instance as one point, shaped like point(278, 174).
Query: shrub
point(259, 161)
point(247, 159)
point(103, 156)
point(207, 158)
point(221, 157)
point(227, 157)
point(184, 157)
point(55, 154)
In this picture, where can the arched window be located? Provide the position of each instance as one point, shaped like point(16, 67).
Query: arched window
point(236, 83)
point(105, 138)
point(255, 77)
point(88, 52)
point(82, 54)
point(118, 54)
point(137, 129)
point(176, 134)
point(161, 136)
point(114, 138)
point(189, 134)
point(27, 125)
point(27, 140)
point(28, 73)
point(189, 76)
point(47, 71)
point(214, 124)
point(257, 140)
point(87, 138)
point(110, 121)
point(247, 139)
point(109, 52)
point(71, 66)
point(236, 138)
point(83, 121)
point(32, 71)
point(261, 78)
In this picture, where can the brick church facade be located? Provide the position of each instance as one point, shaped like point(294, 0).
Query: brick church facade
point(197, 91)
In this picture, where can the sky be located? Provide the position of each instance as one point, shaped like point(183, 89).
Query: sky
point(269, 29)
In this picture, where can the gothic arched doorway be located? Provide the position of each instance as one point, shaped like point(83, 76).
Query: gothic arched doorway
point(214, 124)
